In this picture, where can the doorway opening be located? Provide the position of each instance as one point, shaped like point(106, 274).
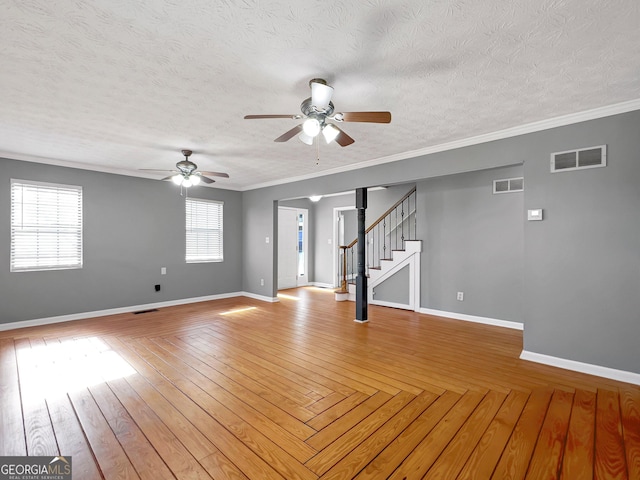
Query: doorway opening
point(344, 230)
point(293, 247)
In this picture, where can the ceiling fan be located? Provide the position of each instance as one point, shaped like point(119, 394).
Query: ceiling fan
point(318, 112)
point(186, 174)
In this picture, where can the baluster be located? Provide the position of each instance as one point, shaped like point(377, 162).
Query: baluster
point(415, 215)
point(402, 224)
point(384, 237)
point(396, 229)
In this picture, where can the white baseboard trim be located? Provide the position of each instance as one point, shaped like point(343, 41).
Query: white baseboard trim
point(322, 285)
point(262, 298)
point(382, 303)
point(472, 318)
point(606, 372)
point(133, 308)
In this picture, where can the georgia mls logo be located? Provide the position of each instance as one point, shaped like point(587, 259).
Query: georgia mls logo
point(35, 468)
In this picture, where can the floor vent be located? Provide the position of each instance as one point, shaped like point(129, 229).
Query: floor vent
point(508, 185)
point(145, 311)
point(591, 157)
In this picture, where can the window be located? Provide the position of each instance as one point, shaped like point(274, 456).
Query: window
point(46, 226)
point(204, 230)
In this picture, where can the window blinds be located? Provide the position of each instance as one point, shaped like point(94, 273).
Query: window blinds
point(204, 230)
point(46, 226)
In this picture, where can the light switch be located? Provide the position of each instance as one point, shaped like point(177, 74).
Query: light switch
point(266, 240)
point(163, 271)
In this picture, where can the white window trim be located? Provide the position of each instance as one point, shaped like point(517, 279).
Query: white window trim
point(193, 257)
point(18, 226)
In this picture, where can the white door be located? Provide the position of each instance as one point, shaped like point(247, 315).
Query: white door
point(287, 248)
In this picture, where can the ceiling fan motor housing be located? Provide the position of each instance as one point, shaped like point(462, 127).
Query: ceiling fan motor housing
point(309, 110)
point(186, 167)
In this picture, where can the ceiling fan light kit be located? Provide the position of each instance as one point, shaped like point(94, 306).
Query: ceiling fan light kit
point(316, 111)
point(186, 174)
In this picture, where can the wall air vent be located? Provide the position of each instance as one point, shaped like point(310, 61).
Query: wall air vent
point(577, 159)
point(508, 185)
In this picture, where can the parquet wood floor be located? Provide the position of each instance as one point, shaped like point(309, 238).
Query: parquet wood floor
point(242, 389)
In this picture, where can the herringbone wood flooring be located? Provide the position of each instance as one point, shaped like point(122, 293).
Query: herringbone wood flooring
point(239, 388)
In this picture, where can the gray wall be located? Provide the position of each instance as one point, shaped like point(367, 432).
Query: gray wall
point(132, 228)
point(473, 242)
point(579, 272)
point(582, 262)
point(323, 259)
point(395, 289)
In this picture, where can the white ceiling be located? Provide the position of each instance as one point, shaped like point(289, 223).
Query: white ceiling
point(119, 85)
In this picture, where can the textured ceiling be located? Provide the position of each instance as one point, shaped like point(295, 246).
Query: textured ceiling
point(120, 85)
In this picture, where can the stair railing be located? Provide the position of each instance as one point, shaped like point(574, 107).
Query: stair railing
point(386, 234)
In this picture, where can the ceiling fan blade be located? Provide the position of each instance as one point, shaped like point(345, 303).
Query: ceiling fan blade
point(214, 174)
point(320, 95)
point(372, 117)
point(155, 170)
point(343, 139)
point(167, 178)
point(254, 117)
point(206, 179)
point(290, 134)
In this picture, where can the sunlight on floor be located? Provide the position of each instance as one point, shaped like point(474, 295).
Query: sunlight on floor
point(239, 310)
point(288, 297)
point(330, 290)
point(57, 368)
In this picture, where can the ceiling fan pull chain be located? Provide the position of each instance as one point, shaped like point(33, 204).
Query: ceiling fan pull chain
point(317, 139)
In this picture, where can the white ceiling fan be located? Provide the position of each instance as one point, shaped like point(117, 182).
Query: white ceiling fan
point(187, 173)
point(318, 114)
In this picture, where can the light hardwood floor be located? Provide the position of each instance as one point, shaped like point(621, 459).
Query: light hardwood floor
point(240, 388)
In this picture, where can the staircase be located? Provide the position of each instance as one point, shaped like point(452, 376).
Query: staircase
point(392, 258)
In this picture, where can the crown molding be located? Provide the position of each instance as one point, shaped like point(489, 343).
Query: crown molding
point(533, 127)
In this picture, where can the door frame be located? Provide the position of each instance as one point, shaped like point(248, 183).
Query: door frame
point(305, 241)
point(336, 241)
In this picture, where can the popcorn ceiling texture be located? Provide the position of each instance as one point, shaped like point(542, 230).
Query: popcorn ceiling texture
point(118, 85)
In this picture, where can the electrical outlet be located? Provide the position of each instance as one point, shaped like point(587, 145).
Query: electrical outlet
point(262, 282)
point(460, 296)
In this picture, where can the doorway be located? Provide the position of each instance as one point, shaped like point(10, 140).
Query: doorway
point(344, 231)
point(293, 242)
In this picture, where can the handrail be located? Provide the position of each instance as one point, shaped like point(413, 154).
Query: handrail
point(386, 234)
point(382, 217)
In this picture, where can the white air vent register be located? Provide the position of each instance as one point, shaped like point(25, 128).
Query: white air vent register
point(591, 157)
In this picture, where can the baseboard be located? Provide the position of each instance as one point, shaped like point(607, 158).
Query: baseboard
point(382, 303)
point(133, 308)
point(262, 298)
point(472, 318)
point(322, 285)
point(597, 370)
